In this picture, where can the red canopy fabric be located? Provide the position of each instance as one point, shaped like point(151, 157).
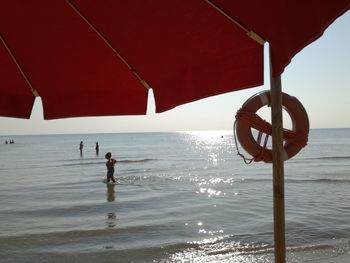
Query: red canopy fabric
point(93, 58)
point(287, 25)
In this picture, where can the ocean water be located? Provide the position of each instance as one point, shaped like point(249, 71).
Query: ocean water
point(180, 197)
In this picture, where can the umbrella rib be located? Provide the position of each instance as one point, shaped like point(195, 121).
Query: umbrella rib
point(143, 82)
point(249, 33)
point(34, 91)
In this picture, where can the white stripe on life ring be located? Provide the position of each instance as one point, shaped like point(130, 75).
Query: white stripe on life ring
point(264, 98)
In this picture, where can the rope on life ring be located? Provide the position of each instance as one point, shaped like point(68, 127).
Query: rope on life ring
point(247, 119)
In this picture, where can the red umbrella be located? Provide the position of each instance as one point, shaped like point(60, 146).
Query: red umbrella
point(98, 58)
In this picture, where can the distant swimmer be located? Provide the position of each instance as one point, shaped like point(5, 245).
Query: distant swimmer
point(81, 146)
point(97, 148)
point(110, 167)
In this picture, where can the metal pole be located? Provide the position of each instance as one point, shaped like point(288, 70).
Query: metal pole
point(278, 168)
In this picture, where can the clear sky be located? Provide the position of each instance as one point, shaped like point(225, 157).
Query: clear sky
point(319, 76)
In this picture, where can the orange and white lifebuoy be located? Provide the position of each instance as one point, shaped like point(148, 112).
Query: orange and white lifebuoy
point(247, 119)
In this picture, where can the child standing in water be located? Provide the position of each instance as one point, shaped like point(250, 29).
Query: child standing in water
point(110, 167)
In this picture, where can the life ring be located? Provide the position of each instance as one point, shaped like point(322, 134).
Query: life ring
point(247, 119)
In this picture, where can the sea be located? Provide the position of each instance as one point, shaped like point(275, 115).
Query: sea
point(179, 197)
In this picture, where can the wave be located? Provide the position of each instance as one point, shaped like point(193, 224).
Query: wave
point(101, 161)
point(232, 249)
point(136, 161)
point(130, 244)
point(239, 244)
point(326, 180)
point(288, 180)
point(327, 158)
point(111, 253)
point(135, 179)
point(82, 159)
point(322, 180)
point(80, 163)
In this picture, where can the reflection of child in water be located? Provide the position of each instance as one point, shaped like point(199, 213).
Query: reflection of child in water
point(110, 167)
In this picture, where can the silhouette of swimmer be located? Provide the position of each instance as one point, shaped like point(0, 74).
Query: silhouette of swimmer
point(97, 148)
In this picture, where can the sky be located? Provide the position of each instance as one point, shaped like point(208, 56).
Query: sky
point(319, 76)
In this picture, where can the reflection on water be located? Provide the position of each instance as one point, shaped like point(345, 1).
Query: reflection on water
point(181, 198)
point(110, 192)
point(211, 145)
point(111, 218)
point(210, 250)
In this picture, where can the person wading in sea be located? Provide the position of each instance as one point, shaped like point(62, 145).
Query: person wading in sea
point(81, 146)
point(97, 148)
point(110, 167)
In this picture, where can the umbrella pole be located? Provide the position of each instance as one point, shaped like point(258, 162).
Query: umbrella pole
point(278, 168)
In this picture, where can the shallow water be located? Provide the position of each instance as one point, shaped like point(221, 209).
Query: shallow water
point(180, 197)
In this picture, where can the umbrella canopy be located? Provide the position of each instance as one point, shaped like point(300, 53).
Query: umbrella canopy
point(99, 58)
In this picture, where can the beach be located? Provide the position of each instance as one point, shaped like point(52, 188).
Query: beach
point(179, 197)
